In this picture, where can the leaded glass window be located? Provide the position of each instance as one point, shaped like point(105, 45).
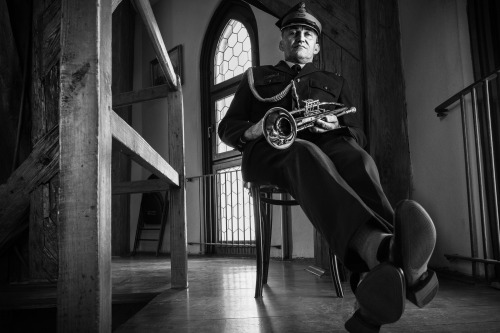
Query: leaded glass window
point(221, 106)
point(233, 53)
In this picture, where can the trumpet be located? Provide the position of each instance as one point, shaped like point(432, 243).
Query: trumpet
point(280, 126)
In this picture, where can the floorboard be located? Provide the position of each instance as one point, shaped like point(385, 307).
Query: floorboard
point(220, 299)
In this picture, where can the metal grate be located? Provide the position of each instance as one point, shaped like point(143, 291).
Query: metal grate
point(229, 221)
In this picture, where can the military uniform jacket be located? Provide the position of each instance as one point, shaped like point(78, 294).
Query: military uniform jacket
point(310, 83)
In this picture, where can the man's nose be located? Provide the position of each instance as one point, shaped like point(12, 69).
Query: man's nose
point(300, 36)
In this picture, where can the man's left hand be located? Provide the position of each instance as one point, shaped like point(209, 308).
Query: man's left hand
point(325, 124)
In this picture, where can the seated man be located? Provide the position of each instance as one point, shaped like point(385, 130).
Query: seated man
point(334, 180)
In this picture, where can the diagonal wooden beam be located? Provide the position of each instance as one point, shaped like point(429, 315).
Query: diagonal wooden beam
point(148, 17)
point(40, 166)
point(133, 144)
point(115, 4)
point(143, 95)
point(141, 186)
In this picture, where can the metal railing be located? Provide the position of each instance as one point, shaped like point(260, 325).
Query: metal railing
point(484, 105)
point(227, 210)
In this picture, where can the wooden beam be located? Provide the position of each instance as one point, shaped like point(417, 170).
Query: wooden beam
point(177, 211)
point(148, 17)
point(40, 166)
point(143, 95)
point(338, 24)
point(115, 4)
point(141, 186)
point(384, 73)
point(123, 79)
point(84, 283)
point(140, 151)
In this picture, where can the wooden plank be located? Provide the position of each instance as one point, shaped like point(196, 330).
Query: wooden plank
point(84, 284)
point(143, 95)
point(10, 88)
point(141, 186)
point(38, 168)
point(123, 29)
point(148, 17)
point(385, 97)
point(177, 211)
point(338, 24)
point(352, 71)
point(140, 151)
point(115, 4)
point(43, 253)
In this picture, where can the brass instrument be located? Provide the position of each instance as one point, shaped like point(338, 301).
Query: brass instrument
point(280, 126)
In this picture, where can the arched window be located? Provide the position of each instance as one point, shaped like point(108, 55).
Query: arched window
point(230, 47)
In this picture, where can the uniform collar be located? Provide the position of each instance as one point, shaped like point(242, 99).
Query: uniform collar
point(291, 64)
point(306, 69)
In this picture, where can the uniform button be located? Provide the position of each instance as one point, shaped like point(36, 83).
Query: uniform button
point(298, 80)
point(326, 88)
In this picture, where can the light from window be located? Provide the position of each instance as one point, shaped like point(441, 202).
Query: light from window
point(235, 223)
point(234, 52)
point(221, 106)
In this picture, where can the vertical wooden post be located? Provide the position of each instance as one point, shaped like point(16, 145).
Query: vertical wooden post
point(177, 211)
point(84, 285)
point(122, 72)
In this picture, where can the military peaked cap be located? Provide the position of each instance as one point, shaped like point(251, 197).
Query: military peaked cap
point(299, 15)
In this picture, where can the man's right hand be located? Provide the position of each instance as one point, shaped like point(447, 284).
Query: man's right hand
point(254, 132)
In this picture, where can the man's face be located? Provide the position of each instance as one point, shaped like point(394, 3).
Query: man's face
point(299, 44)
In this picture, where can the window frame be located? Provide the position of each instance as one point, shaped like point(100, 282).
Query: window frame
point(227, 10)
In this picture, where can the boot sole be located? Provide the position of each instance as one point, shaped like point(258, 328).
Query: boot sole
point(415, 238)
point(381, 297)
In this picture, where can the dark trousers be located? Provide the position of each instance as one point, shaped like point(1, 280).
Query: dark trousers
point(334, 180)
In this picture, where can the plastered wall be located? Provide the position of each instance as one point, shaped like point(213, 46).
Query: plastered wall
point(437, 64)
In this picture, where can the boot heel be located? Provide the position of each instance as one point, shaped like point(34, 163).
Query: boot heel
point(423, 292)
point(358, 324)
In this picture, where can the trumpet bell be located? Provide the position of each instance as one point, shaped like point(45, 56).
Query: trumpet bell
point(279, 128)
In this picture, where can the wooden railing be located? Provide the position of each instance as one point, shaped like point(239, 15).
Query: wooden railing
point(87, 126)
point(484, 104)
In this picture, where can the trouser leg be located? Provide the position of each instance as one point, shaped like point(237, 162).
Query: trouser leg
point(331, 204)
point(358, 169)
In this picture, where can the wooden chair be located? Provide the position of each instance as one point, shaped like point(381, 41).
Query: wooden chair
point(262, 201)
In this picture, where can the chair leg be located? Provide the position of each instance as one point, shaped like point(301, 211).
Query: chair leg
point(335, 274)
point(259, 244)
point(268, 227)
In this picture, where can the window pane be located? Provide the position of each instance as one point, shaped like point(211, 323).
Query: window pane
point(234, 52)
point(221, 107)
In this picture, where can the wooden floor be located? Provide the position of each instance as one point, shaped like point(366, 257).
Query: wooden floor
point(220, 299)
point(136, 281)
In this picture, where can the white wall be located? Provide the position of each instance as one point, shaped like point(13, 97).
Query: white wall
point(185, 22)
point(437, 64)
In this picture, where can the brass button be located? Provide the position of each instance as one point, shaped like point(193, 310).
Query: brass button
point(325, 87)
point(298, 80)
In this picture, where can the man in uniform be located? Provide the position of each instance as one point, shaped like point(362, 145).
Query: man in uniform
point(333, 178)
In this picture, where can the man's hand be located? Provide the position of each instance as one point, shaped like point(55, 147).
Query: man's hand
point(254, 132)
point(325, 124)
